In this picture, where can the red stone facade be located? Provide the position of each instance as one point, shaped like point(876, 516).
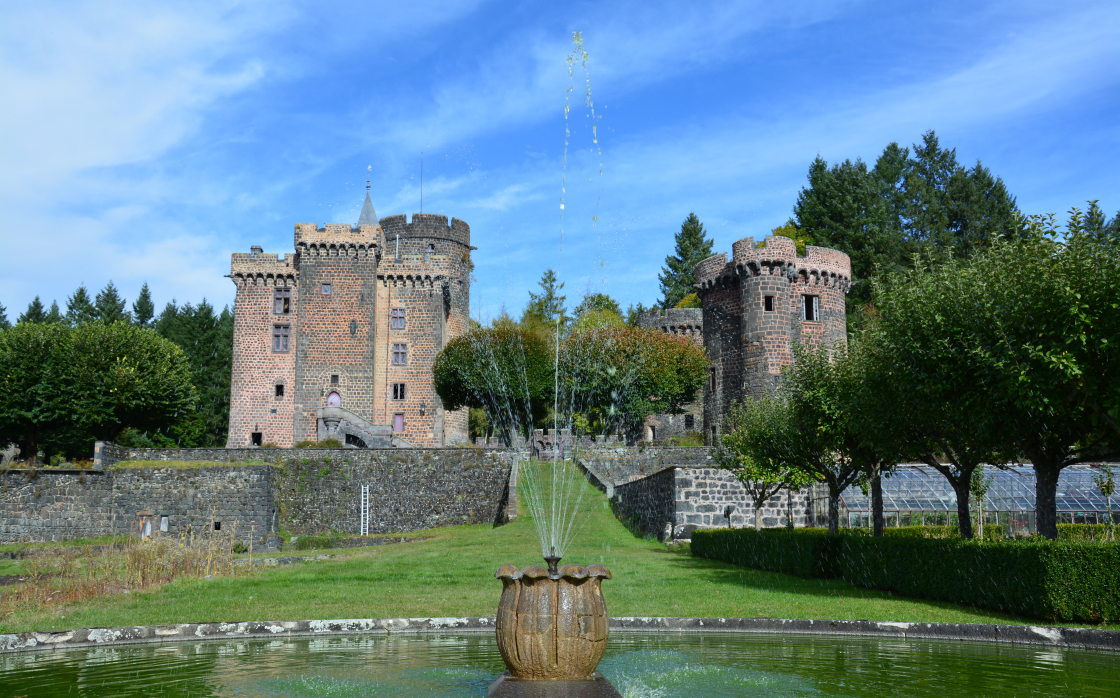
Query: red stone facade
point(349, 289)
point(755, 310)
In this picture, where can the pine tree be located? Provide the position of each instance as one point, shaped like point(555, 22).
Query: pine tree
point(677, 277)
point(110, 307)
point(54, 315)
point(4, 324)
point(79, 309)
point(548, 305)
point(34, 313)
point(142, 308)
point(927, 210)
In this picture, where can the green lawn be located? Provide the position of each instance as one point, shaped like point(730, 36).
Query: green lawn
point(452, 574)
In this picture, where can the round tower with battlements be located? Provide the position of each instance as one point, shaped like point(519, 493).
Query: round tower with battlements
point(757, 306)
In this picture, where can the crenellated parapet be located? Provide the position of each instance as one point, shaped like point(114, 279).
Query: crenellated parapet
point(688, 322)
point(777, 256)
point(258, 267)
point(426, 225)
point(333, 240)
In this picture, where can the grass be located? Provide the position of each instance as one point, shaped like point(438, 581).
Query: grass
point(184, 464)
point(76, 542)
point(451, 573)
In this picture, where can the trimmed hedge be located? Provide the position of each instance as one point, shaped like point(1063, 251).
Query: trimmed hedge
point(992, 532)
point(1097, 532)
point(1056, 580)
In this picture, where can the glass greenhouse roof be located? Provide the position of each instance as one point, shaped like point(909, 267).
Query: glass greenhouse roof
point(921, 488)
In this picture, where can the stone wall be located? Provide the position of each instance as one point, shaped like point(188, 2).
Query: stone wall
point(691, 498)
point(612, 467)
point(304, 491)
point(54, 504)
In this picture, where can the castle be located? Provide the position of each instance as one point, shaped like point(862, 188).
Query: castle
point(337, 339)
point(756, 307)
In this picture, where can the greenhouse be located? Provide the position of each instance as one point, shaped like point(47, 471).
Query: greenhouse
point(918, 495)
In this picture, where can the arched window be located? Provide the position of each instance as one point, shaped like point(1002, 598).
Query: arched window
point(334, 400)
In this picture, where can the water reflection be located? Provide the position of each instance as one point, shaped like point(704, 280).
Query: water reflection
point(640, 665)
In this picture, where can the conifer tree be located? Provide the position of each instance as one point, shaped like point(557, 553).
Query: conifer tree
point(110, 307)
point(4, 324)
point(79, 309)
point(548, 305)
point(34, 312)
point(677, 277)
point(143, 310)
point(55, 315)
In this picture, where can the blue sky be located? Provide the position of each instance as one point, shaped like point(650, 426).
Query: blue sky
point(147, 141)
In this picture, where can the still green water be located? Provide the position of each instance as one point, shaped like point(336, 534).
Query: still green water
point(639, 665)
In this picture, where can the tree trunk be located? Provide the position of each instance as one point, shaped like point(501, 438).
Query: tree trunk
point(758, 516)
point(963, 512)
point(877, 501)
point(833, 508)
point(1045, 495)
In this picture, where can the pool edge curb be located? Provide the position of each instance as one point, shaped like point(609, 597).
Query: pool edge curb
point(1054, 636)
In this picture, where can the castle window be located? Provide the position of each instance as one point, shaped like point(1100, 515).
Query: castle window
point(400, 354)
point(279, 390)
point(326, 289)
point(689, 422)
point(768, 303)
point(396, 319)
point(217, 525)
point(334, 379)
point(811, 308)
point(282, 301)
point(398, 391)
point(398, 423)
point(256, 438)
point(713, 378)
point(280, 337)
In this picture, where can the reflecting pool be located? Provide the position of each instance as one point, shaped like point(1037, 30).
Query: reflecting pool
point(639, 665)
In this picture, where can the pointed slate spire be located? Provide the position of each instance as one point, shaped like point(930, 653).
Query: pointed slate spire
point(369, 216)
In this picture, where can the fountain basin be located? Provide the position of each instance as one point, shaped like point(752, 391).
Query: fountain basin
point(552, 627)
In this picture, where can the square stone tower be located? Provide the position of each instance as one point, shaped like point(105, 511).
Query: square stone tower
point(337, 339)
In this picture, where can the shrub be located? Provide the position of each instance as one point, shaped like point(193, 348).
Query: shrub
point(315, 543)
point(325, 443)
point(1098, 532)
point(1056, 580)
point(992, 532)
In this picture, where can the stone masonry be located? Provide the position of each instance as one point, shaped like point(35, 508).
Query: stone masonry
point(691, 498)
point(757, 306)
point(353, 320)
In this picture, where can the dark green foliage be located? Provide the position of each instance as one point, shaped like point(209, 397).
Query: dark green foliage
point(79, 309)
point(54, 315)
point(992, 532)
point(207, 340)
point(677, 276)
point(34, 313)
point(121, 376)
point(597, 301)
point(109, 306)
point(633, 312)
point(548, 305)
point(31, 363)
point(1056, 581)
point(4, 322)
point(506, 370)
point(143, 310)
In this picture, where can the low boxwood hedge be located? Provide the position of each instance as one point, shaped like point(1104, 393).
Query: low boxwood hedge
point(1070, 581)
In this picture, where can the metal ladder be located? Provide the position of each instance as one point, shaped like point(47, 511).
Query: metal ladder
point(365, 510)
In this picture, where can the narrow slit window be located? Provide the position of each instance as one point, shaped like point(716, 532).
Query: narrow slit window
point(282, 301)
point(281, 334)
point(712, 378)
point(398, 391)
point(400, 354)
point(768, 303)
point(396, 319)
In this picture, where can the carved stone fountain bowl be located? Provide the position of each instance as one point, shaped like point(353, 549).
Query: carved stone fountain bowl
point(552, 627)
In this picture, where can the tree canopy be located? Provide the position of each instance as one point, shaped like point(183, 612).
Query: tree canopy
point(677, 276)
point(547, 306)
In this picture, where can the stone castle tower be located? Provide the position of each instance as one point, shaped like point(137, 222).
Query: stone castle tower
point(337, 339)
point(757, 306)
